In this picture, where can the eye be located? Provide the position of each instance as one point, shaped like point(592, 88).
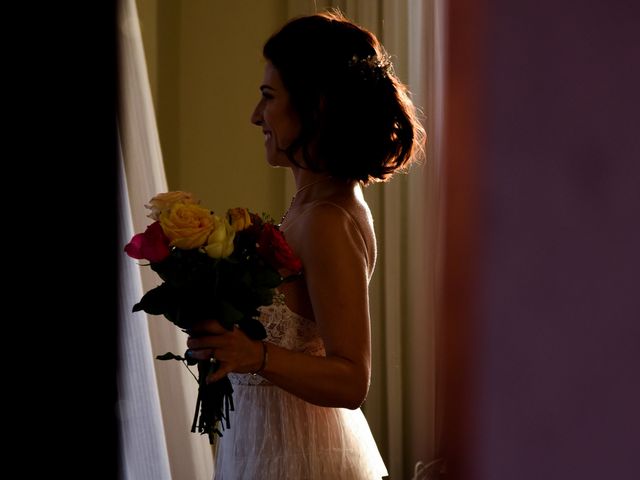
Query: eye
point(266, 95)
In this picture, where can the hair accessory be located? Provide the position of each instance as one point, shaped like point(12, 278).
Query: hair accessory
point(372, 67)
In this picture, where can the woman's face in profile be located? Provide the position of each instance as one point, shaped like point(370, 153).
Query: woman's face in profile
point(275, 114)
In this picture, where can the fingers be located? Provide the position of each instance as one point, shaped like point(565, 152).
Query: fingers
point(202, 354)
point(209, 341)
point(207, 327)
point(210, 354)
point(219, 374)
point(232, 350)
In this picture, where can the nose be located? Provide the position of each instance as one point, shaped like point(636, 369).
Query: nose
point(256, 116)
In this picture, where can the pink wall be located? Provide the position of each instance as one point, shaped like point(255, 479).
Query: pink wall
point(543, 293)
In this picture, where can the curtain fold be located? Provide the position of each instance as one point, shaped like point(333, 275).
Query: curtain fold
point(189, 455)
point(143, 450)
point(407, 212)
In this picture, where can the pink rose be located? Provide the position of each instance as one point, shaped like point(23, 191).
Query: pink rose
point(152, 245)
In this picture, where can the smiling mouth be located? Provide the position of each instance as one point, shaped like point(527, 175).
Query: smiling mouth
point(267, 135)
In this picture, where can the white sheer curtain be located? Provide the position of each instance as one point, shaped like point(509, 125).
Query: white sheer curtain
point(405, 300)
point(146, 451)
point(143, 450)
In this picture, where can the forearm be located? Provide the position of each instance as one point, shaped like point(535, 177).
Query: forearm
point(326, 381)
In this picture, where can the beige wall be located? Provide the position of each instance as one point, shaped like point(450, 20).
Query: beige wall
point(205, 65)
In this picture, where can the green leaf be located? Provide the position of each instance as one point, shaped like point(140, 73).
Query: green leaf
point(253, 328)
point(156, 301)
point(267, 277)
point(229, 315)
point(169, 356)
point(263, 296)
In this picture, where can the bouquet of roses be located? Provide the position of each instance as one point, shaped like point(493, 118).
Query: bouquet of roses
point(212, 267)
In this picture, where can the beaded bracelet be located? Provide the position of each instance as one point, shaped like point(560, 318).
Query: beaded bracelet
point(265, 356)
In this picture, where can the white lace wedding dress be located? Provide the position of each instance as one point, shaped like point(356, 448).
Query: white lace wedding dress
point(275, 435)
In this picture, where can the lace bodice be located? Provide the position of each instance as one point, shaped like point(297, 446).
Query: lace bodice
point(290, 330)
point(286, 329)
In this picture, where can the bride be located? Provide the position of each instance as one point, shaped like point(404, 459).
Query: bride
point(332, 111)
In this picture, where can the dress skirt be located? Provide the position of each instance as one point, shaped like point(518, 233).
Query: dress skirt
point(275, 435)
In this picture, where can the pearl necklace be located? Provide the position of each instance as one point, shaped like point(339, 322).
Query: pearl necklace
point(293, 198)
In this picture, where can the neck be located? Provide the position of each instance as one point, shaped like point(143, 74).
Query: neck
point(303, 183)
point(310, 183)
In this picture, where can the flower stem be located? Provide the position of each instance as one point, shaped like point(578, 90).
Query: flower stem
point(184, 362)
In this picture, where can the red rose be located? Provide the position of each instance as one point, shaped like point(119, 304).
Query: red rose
point(275, 250)
point(152, 245)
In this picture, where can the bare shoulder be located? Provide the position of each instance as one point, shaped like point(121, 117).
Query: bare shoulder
point(341, 221)
point(336, 210)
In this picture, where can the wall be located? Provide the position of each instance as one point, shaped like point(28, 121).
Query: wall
point(543, 209)
point(205, 65)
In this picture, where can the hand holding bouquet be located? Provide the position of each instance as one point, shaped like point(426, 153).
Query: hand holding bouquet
point(212, 267)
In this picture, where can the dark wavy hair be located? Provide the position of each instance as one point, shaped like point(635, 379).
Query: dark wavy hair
point(357, 120)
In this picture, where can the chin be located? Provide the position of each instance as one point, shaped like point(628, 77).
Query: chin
point(279, 160)
point(272, 163)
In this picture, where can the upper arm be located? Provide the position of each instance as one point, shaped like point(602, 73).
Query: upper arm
point(336, 271)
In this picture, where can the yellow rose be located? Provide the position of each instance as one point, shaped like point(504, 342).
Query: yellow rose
point(220, 241)
point(164, 201)
point(239, 218)
point(187, 226)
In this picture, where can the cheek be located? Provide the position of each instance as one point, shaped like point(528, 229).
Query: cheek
point(283, 123)
point(288, 130)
